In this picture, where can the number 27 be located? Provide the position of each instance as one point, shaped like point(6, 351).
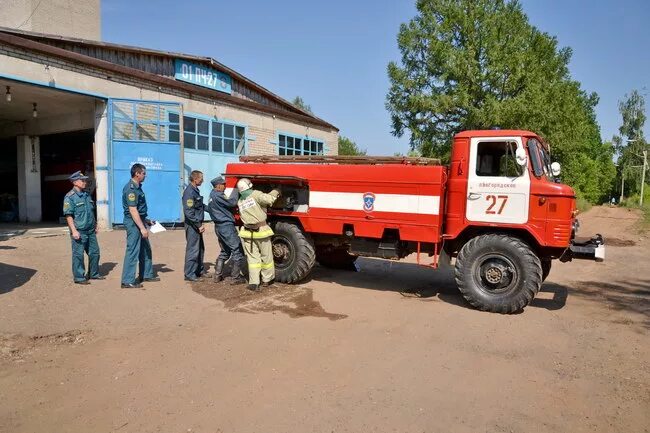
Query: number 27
point(493, 199)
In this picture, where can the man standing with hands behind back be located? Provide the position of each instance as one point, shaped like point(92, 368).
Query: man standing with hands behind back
point(138, 249)
point(193, 209)
point(78, 210)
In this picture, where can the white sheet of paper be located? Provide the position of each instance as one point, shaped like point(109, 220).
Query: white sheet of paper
point(157, 228)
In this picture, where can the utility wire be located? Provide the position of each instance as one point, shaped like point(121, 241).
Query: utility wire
point(30, 15)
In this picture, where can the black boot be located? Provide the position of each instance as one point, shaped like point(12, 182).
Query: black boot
point(236, 275)
point(218, 271)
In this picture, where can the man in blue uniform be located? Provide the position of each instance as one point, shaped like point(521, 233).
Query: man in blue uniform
point(78, 209)
point(220, 211)
point(138, 249)
point(193, 209)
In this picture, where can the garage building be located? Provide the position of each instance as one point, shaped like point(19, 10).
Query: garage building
point(70, 104)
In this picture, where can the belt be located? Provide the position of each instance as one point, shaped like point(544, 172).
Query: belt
point(255, 226)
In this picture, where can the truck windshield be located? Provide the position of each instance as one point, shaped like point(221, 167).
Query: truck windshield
point(539, 157)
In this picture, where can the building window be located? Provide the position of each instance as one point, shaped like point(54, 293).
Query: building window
point(296, 145)
point(196, 133)
point(228, 138)
point(143, 121)
point(211, 135)
point(174, 128)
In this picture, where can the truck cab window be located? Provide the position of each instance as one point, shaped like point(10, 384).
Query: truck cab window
point(497, 158)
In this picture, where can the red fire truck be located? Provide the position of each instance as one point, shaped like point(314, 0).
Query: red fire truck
point(498, 209)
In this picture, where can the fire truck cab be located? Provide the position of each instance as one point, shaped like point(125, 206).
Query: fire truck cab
point(498, 210)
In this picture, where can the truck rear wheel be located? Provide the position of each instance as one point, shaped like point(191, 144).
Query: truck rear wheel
point(498, 273)
point(336, 258)
point(293, 252)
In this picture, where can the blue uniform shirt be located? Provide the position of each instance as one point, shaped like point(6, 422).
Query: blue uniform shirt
point(132, 195)
point(193, 206)
point(81, 208)
point(220, 207)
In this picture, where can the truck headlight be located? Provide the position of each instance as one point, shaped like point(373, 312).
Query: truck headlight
point(575, 227)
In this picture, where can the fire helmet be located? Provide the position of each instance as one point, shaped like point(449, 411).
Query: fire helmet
point(244, 184)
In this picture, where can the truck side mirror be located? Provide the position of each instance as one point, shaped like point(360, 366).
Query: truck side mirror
point(521, 157)
point(556, 169)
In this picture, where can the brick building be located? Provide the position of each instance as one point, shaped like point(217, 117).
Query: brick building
point(70, 104)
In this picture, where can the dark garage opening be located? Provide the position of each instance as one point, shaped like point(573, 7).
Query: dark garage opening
point(8, 180)
point(61, 155)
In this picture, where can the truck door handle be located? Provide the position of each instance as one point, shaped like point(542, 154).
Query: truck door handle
point(473, 196)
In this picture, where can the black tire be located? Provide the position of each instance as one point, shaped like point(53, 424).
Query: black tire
point(336, 258)
point(498, 273)
point(546, 268)
point(293, 252)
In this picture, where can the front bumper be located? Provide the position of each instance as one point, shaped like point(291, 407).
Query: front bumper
point(585, 249)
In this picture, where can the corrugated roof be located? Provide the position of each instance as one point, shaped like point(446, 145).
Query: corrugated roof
point(208, 61)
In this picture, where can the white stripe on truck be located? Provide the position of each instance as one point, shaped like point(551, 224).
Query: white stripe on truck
point(401, 203)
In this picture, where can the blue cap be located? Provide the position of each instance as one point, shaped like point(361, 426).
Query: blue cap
point(219, 180)
point(77, 175)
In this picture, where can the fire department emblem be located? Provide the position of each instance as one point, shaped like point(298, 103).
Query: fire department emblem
point(368, 202)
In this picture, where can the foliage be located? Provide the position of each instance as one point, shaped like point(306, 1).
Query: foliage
point(299, 103)
point(582, 205)
point(413, 153)
point(476, 64)
point(349, 147)
point(633, 202)
point(630, 143)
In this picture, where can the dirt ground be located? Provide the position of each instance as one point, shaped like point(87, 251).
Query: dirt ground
point(391, 348)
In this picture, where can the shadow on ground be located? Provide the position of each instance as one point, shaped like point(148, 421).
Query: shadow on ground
point(414, 281)
point(627, 296)
point(12, 277)
point(106, 268)
point(557, 300)
point(161, 268)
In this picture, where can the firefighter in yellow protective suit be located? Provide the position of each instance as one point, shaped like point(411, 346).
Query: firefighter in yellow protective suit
point(256, 233)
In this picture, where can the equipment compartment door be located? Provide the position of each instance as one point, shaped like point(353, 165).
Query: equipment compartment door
point(498, 189)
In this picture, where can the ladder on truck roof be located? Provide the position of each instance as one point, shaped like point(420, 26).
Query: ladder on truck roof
point(342, 159)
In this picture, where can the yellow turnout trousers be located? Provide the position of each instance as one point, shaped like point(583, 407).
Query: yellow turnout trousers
point(259, 254)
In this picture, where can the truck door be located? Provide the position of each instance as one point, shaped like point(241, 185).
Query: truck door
point(498, 189)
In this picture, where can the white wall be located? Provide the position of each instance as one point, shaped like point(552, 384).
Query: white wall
point(29, 179)
point(100, 150)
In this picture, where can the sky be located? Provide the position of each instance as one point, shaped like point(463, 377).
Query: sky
point(334, 53)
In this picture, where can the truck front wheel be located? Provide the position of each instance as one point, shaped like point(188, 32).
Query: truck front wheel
point(293, 252)
point(546, 268)
point(498, 273)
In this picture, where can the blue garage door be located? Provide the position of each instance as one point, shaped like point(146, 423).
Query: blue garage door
point(209, 145)
point(144, 132)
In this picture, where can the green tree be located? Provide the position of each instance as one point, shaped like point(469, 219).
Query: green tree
point(477, 64)
point(298, 102)
point(630, 142)
point(349, 147)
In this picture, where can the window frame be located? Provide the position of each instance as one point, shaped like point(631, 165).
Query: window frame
point(510, 149)
point(131, 123)
point(279, 145)
point(210, 136)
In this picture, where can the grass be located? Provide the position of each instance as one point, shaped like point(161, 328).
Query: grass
point(633, 203)
point(583, 205)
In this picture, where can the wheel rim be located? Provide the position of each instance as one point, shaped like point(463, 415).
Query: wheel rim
point(495, 274)
point(283, 252)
